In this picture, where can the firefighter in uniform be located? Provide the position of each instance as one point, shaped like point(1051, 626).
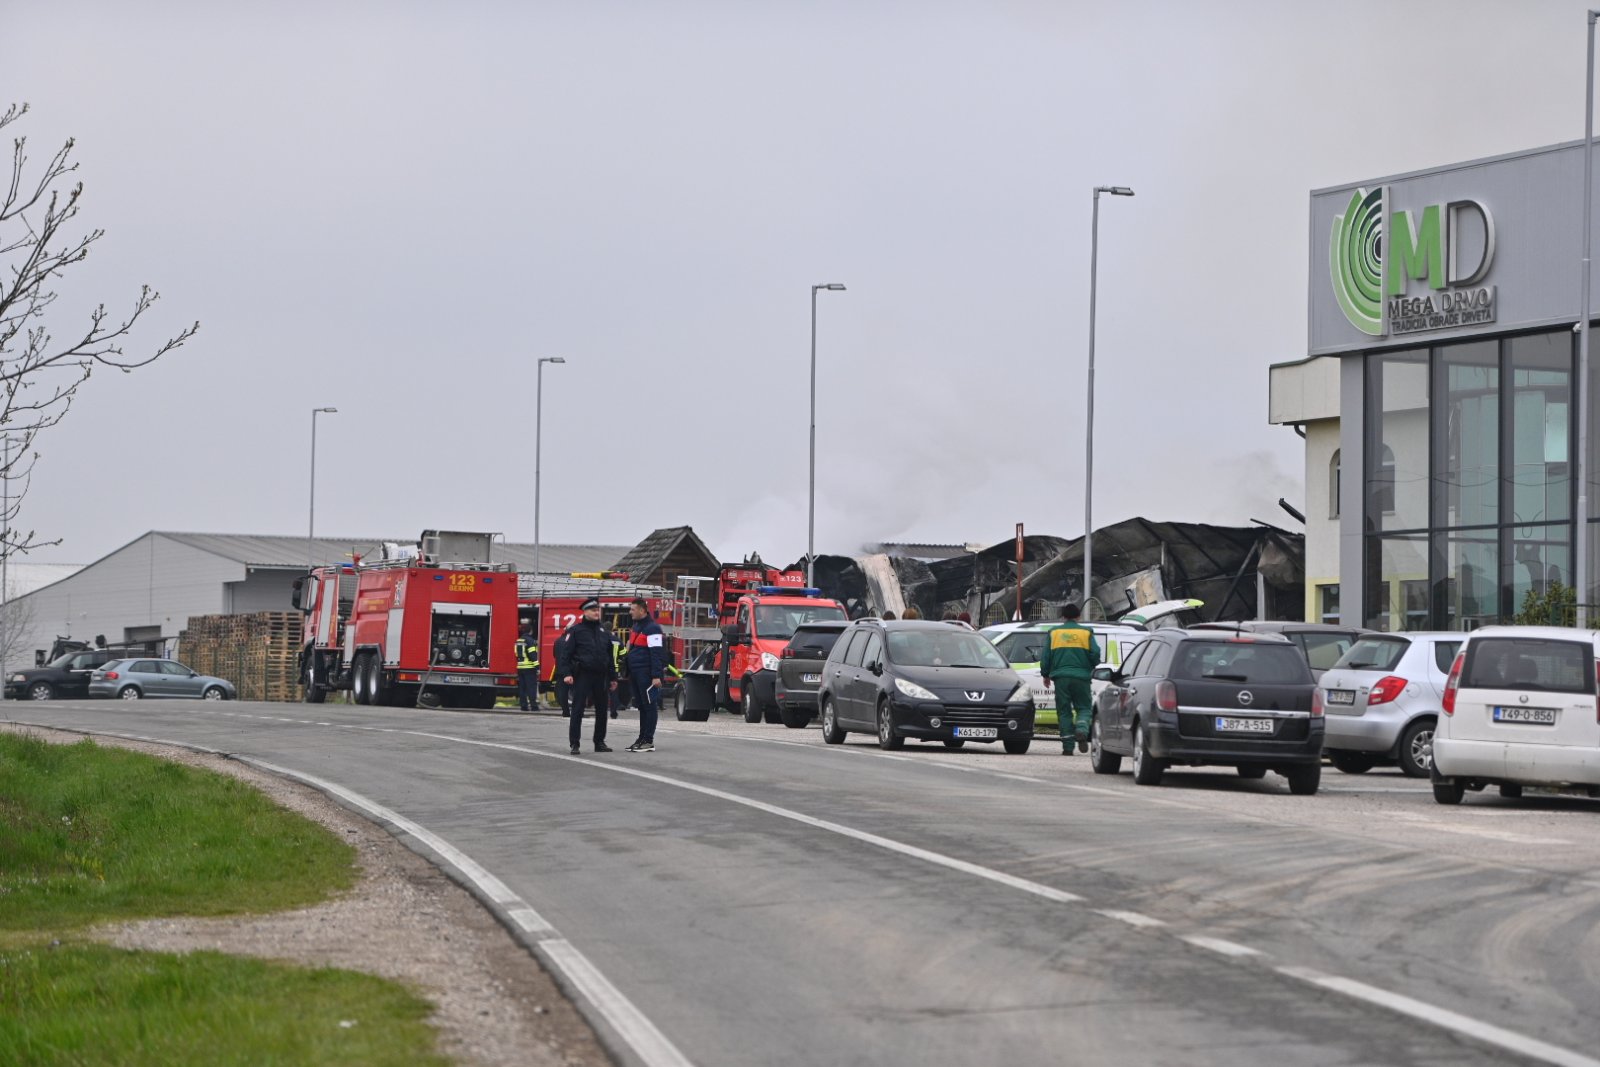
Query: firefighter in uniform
point(647, 667)
point(528, 670)
point(620, 651)
point(1070, 657)
point(589, 667)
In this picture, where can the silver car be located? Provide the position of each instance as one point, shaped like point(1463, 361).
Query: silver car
point(1383, 698)
point(158, 679)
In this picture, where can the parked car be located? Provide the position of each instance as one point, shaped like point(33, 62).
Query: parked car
point(1199, 697)
point(64, 678)
point(1520, 709)
point(1321, 643)
point(922, 679)
point(800, 671)
point(1382, 700)
point(1022, 644)
point(136, 679)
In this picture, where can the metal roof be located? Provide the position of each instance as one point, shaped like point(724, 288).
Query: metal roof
point(270, 550)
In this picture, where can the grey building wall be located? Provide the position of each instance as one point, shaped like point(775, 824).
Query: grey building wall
point(263, 589)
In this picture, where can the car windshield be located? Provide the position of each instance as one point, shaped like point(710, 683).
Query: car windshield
point(1240, 661)
point(1020, 646)
point(1528, 663)
point(1373, 654)
point(942, 648)
point(778, 622)
point(63, 660)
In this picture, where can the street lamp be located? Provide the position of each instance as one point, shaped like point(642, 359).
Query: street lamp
point(311, 522)
point(538, 443)
point(811, 504)
point(1088, 453)
point(1580, 574)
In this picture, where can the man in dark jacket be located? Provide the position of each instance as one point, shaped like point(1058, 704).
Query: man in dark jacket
point(590, 669)
point(647, 666)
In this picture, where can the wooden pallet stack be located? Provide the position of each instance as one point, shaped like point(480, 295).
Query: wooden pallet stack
point(259, 653)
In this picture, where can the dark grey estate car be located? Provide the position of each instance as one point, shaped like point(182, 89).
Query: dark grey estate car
point(800, 671)
point(923, 679)
point(1202, 697)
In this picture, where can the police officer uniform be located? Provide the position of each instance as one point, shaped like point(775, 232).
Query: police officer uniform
point(589, 661)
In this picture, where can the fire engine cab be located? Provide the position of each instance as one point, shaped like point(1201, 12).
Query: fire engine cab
point(430, 625)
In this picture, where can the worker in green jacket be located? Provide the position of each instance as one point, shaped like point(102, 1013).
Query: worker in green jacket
point(1070, 656)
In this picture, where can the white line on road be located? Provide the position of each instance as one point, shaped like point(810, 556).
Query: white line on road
point(1217, 944)
point(1132, 918)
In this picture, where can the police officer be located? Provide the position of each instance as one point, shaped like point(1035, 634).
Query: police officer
point(647, 667)
point(589, 668)
point(528, 669)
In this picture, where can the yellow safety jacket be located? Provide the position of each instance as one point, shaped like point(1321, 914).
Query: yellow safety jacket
point(527, 655)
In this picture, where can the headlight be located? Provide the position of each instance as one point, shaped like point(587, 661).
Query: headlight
point(1021, 692)
point(18, 678)
point(913, 690)
point(769, 662)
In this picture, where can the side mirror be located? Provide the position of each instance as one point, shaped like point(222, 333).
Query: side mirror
point(294, 596)
point(876, 667)
point(1103, 674)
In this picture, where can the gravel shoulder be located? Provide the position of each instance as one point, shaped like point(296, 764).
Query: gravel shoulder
point(404, 920)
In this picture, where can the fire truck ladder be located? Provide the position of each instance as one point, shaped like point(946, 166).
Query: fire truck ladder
point(694, 629)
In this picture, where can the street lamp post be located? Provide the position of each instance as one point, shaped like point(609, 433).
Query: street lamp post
point(311, 521)
point(1088, 453)
point(811, 495)
point(1580, 573)
point(538, 446)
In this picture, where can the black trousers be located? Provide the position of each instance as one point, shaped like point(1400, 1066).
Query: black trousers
point(589, 688)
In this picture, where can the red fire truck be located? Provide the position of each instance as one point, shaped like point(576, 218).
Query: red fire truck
point(426, 626)
point(553, 602)
point(757, 609)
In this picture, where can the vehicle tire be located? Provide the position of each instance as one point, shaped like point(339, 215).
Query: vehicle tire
point(1353, 762)
point(377, 690)
point(1511, 791)
point(795, 719)
point(358, 680)
point(129, 692)
point(41, 691)
point(1251, 771)
point(1448, 792)
point(887, 738)
point(214, 692)
point(311, 692)
point(1147, 770)
point(1017, 746)
point(747, 700)
point(1101, 761)
point(1304, 780)
point(830, 726)
point(954, 743)
point(772, 715)
point(1416, 748)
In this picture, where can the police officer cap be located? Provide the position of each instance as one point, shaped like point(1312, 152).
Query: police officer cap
point(587, 604)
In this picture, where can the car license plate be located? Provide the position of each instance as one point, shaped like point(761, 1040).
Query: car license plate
point(1530, 716)
point(1243, 726)
point(978, 733)
point(457, 679)
point(1341, 696)
point(811, 679)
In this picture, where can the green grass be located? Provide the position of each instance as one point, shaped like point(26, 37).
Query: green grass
point(93, 1005)
point(93, 834)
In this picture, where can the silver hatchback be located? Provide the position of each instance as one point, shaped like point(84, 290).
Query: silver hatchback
point(1383, 699)
point(137, 679)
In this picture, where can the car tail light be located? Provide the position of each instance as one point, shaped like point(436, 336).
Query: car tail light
point(1450, 687)
point(1316, 703)
point(112, 676)
point(1166, 696)
point(787, 653)
point(1386, 689)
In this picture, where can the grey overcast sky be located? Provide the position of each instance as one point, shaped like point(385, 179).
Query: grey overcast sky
point(395, 208)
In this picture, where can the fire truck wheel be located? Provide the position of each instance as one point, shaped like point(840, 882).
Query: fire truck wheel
point(377, 694)
point(311, 692)
point(360, 682)
point(747, 700)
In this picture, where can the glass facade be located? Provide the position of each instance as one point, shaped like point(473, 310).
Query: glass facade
point(1469, 492)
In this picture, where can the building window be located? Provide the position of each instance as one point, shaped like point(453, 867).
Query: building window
point(1398, 389)
point(1328, 602)
point(1333, 490)
point(1383, 487)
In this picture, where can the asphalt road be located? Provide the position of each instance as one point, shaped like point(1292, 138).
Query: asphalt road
point(761, 897)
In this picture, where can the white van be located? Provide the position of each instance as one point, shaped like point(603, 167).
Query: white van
point(1520, 708)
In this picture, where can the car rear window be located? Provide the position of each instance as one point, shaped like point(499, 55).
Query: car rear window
point(1323, 650)
point(1530, 663)
point(1444, 655)
point(1240, 661)
point(814, 640)
point(1375, 654)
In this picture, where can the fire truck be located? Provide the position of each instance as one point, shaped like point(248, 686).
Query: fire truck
point(552, 602)
point(756, 609)
point(430, 625)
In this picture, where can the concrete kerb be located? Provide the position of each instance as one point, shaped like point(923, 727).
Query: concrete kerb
point(557, 965)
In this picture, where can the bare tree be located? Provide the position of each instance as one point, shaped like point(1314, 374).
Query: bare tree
point(39, 373)
point(16, 633)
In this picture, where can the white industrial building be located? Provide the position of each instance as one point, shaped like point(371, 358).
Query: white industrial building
point(147, 589)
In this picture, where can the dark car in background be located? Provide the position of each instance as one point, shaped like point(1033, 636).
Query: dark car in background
point(1204, 697)
point(1321, 643)
point(923, 679)
point(800, 671)
point(64, 678)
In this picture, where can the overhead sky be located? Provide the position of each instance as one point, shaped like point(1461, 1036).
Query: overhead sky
point(396, 208)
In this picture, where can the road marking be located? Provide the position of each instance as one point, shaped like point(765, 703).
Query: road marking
point(1443, 1018)
point(1217, 944)
point(638, 1031)
point(1132, 918)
